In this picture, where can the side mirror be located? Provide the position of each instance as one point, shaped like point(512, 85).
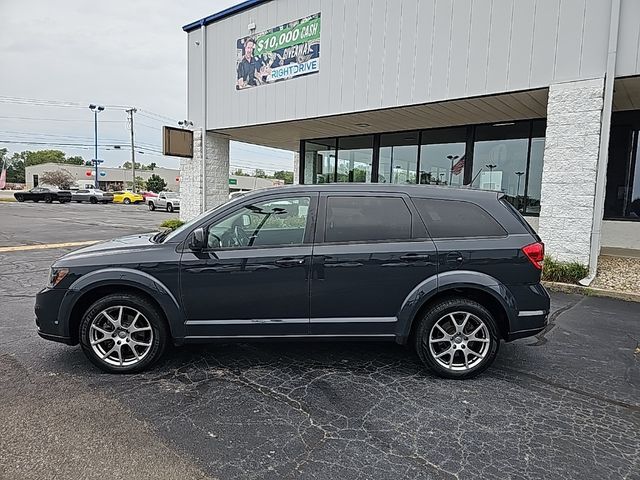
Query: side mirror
point(196, 241)
point(246, 220)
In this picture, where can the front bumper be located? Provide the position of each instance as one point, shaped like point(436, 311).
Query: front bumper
point(50, 326)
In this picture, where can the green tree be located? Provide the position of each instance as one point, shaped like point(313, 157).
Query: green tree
point(15, 169)
point(58, 178)
point(260, 173)
point(140, 183)
point(284, 175)
point(238, 172)
point(156, 183)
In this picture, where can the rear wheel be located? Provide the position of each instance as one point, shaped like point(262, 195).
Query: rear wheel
point(169, 208)
point(457, 338)
point(123, 333)
point(48, 199)
point(126, 201)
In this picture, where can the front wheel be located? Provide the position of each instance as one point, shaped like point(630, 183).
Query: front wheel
point(457, 338)
point(126, 201)
point(93, 200)
point(123, 333)
point(152, 207)
point(19, 198)
point(48, 199)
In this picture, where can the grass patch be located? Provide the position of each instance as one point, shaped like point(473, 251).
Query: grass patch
point(565, 272)
point(7, 199)
point(172, 223)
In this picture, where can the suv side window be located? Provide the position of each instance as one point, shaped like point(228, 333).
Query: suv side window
point(366, 219)
point(276, 222)
point(455, 219)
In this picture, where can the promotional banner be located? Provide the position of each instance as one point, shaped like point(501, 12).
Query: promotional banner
point(281, 53)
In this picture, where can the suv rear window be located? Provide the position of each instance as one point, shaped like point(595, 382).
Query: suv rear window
point(455, 219)
point(367, 219)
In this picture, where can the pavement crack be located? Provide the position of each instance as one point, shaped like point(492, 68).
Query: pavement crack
point(542, 336)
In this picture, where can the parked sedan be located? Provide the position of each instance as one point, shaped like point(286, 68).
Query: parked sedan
point(92, 195)
point(47, 195)
point(127, 197)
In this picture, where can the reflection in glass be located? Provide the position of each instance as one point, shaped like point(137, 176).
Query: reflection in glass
point(535, 176)
point(633, 199)
point(442, 156)
point(355, 158)
point(398, 158)
point(500, 160)
point(319, 161)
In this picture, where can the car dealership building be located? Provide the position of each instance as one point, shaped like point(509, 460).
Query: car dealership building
point(537, 99)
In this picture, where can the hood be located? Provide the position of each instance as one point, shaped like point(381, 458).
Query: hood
point(123, 244)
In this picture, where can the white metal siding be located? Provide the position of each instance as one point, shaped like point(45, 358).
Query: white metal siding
point(377, 53)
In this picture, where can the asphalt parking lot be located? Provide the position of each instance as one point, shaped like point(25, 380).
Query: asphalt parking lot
point(565, 404)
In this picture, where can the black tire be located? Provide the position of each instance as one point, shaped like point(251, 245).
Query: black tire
point(438, 312)
point(36, 200)
point(144, 306)
point(48, 199)
point(19, 198)
point(126, 201)
point(78, 201)
point(169, 208)
point(93, 200)
point(152, 207)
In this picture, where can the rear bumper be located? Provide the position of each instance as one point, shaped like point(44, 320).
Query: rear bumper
point(532, 317)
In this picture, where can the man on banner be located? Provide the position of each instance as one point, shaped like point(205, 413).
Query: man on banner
point(251, 70)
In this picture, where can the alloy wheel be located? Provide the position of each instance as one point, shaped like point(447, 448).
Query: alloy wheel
point(121, 336)
point(459, 341)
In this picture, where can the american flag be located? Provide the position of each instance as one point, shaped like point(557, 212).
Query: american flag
point(3, 177)
point(458, 166)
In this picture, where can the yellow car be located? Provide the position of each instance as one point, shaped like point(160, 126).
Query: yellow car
point(127, 197)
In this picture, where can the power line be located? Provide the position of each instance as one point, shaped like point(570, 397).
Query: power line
point(60, 119)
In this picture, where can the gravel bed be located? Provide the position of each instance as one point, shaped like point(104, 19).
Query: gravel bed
point(618, 273)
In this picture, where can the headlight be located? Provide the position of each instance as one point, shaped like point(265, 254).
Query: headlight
point(56, 275)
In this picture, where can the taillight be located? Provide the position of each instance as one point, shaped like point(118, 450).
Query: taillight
point(535, 253)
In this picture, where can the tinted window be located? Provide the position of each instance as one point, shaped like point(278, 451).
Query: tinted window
point(452, 219)
point(361, 219)
point(282, 221)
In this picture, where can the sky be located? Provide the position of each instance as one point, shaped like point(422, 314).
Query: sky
point(57, 57)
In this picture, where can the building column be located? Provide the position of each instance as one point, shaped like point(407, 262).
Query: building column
point(205, 177)
point(570, 169)
point(296, 168)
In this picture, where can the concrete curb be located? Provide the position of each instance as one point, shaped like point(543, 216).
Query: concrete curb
point(590, 291)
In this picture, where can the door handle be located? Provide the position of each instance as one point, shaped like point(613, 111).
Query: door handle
point(289, 261)
point(415, 257)
point(455, 258)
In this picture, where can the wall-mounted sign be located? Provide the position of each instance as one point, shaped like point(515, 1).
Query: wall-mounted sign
point(233, 181)
point(177, 142)
point(281, 53)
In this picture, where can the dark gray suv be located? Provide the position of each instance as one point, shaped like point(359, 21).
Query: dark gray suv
point(451, 272)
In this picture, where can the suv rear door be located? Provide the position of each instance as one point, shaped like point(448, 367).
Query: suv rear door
point(370, 252)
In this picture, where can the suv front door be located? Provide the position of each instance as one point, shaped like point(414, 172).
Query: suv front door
point(371, 251)
point(253, 278)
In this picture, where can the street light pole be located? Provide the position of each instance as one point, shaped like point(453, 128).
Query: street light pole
point(130, 113)
point(452, 158)
point(95, 109)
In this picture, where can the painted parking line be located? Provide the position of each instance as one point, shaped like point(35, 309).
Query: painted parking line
point(21, 248)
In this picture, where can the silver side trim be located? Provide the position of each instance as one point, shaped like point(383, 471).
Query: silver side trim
point(250, 321)
point(355, 320)
point(276, 321)
point(377, 335)
point(531, 313)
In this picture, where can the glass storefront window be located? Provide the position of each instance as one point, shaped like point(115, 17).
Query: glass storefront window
point(320, 161)
point(534, 176)
point(500, 160)
point(622, 200)
point(442, 157)
point(398, 157)
point(355, 159)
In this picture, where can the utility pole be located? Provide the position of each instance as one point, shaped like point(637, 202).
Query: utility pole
point(130, 113)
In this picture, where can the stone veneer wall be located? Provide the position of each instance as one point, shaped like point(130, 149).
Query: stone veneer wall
point(216, 157)
point(569, 171)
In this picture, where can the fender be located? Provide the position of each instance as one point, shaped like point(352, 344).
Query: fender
point(127, 277)
point(442, 282)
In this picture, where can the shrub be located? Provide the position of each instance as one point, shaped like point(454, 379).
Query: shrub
point(172, 223)
point(566, 272)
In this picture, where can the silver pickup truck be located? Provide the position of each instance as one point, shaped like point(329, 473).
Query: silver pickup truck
point(169, 201)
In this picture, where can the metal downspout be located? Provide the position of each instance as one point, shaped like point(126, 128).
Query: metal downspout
point(603, 155)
